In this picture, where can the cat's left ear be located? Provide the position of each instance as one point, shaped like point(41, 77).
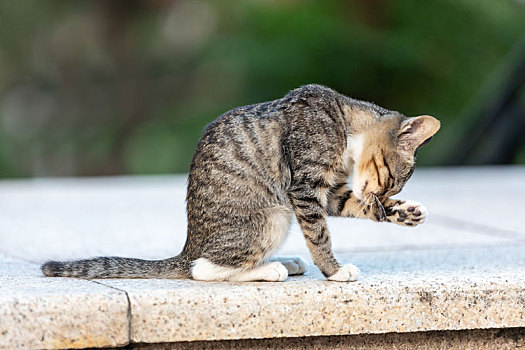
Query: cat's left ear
point(417, 131)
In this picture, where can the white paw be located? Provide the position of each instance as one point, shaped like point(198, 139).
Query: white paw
point(346, 273)
point(295, 265)
point(275, 271)
point(409, 213)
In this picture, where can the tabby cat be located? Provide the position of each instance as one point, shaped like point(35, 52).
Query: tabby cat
point(256, 166)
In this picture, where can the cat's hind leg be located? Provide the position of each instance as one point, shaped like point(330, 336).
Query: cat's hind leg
point(205, 270)
point(294, 264)
point(239, 248)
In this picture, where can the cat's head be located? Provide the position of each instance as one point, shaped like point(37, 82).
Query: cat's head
point(385, 156)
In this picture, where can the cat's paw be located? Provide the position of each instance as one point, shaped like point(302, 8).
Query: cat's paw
point(295, 265)
point(346, 273)
point(275, 272)
point(407, 213)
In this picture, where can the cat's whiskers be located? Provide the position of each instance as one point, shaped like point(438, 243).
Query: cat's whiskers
point(370, 203)
point(365, 203)
point(380, 205)
point(359, 206)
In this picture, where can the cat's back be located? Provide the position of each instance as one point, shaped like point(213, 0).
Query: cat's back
point(250, 145)
point(240, 152)
point(260, 122)
point(250, 125)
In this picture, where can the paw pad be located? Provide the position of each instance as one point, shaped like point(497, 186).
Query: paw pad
point(407, 213)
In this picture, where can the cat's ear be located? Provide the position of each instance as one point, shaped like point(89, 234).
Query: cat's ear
point(417, 131)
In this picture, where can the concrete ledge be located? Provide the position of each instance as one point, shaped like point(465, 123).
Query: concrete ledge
point(399, 292)
point(461, 271)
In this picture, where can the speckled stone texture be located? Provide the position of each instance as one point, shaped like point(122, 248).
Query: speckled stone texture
point(490, 339)
point(40, 313)
point(401, 291)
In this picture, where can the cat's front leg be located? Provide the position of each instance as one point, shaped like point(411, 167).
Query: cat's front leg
point(311, 216)
point(343, 202)
point(407, 213)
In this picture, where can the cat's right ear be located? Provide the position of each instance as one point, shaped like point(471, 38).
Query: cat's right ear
point(416, 132)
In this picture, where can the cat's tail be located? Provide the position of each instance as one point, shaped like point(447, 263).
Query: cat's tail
point(116, 267)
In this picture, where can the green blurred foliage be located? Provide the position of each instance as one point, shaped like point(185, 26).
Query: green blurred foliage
point(126, 87)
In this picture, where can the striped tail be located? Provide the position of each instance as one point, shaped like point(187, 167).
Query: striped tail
point(116, 267)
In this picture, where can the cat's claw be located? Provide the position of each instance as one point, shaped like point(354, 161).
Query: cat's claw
point(408, 213)
point(346, 273)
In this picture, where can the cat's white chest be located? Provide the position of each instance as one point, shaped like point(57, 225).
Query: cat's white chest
point(353, 151)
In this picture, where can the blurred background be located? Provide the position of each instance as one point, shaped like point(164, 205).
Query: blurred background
point(126, 87)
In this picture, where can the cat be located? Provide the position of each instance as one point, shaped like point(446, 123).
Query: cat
point(256, 166)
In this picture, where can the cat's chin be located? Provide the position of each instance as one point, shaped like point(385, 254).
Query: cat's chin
point(358, 194)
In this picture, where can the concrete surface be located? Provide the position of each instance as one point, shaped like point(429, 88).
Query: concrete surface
point(38, 312)
point(464, 269)
point(404, 291)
